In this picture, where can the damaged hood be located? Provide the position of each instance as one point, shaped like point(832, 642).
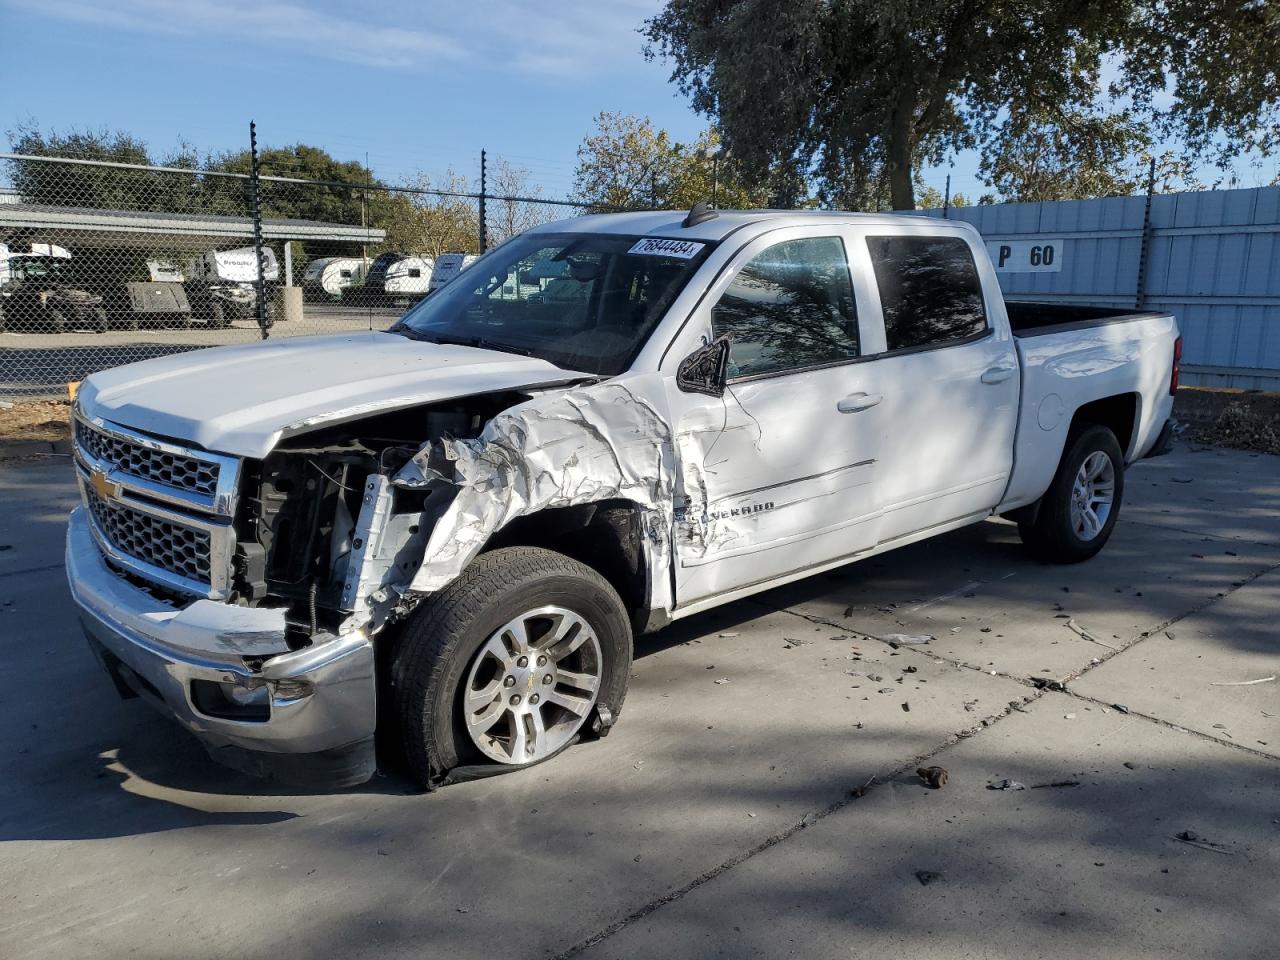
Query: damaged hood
point(242, 400)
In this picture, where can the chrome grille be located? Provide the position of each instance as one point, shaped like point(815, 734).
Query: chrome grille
point(164, 467)
point(159, 510)
point(177, 549)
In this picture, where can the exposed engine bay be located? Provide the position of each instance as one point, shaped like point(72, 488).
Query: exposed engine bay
point(296, 525)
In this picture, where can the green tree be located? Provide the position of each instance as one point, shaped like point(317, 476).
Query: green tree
point(343, 197)
point(931, 198)
point(1070, 157)
point(628, 163)
point(76, 185)
point(623, 163)
point(430, 223)
point(861, 92)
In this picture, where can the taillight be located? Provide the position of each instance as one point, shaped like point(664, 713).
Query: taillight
point(1177, 361)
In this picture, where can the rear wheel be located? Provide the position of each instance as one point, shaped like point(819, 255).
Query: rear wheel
point(509, 664)
point(55, 321)
point(1081, 506)
point(100, 323)
point(219, 315)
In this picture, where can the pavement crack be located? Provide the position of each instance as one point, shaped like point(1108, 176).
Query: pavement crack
point(45, 569)
point(808, 820)
point(1198, 734)
point(1200, 533)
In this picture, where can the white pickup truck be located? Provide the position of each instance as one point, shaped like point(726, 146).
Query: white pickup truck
point(449, 532)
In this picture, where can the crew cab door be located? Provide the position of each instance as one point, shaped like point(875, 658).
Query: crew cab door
point(779, 474)
point(949, 375)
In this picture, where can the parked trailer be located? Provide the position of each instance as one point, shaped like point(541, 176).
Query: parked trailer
point(447, 267)
point(394, 279)
point(326, 278)
point(220, 284)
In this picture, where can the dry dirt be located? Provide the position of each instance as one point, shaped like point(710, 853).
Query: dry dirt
point(27, 420)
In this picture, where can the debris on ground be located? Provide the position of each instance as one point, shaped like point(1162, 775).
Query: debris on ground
point(1006, 785)
point(723, 680)
point(1055, 783)
point(906, 639)
point(906, 707)
point(1120, 706)
point(934, 777)
point(927, 877)
point(861, 791)
point(1081, 631)
point(726, 634)
point(1241, 683)
point(1044, 683)
point(1191, 838)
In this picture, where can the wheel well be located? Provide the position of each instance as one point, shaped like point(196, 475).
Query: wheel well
point(1118, 414)
point(606, 536)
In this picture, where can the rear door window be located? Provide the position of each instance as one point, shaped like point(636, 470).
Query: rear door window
point(789, 308)
point(930, 292)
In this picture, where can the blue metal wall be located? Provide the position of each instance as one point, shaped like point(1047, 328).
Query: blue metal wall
point(1213, 259)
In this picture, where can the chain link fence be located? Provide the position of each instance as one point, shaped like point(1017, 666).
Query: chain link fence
point(103, 263)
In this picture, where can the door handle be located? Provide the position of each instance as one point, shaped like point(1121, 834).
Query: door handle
point(997, 374)
point(858, 401)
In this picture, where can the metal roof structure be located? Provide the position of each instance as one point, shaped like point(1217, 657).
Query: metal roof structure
point(142, 228)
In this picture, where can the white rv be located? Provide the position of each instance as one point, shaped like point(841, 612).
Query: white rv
point(395, 279)
point(448, 266)
point(326, 278)
point(233, 266)
point(220, 284)
point(34, 250)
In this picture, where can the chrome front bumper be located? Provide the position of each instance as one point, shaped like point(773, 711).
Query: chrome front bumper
point(313, 709)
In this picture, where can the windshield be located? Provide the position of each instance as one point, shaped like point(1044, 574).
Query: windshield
point(581, 301)
point(33, 268)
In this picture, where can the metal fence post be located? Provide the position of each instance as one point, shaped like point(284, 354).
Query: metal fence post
point(1144, 247)
point(484, 229)
point(260, 286)
point(946, 200)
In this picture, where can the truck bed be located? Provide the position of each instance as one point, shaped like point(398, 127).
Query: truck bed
point(1029, 318)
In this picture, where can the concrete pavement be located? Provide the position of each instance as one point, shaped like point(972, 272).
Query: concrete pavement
point(718, 818)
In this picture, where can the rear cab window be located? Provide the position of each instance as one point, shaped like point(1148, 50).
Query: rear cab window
point(930, 291)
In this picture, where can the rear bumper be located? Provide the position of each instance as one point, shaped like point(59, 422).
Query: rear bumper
point(227, 675)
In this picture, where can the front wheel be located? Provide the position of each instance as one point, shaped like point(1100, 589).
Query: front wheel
point(100, 323)
point(508, 664)
point(1080, 508)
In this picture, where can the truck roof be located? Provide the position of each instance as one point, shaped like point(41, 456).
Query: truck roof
point(668, 223)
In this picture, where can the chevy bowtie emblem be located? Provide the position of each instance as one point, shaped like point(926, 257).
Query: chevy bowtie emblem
point(103, 486)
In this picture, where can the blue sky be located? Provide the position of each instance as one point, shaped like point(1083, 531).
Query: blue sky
point(415, 86)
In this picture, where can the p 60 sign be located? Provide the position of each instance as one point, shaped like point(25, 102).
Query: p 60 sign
point(1026, 256)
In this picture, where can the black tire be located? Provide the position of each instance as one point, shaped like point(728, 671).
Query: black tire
point(130, 322)
point(100, 323)
point(182, 321)
point(56, 321)
point(1052, 535)
point(219, 316)
point(2, 325)
point(442, 636)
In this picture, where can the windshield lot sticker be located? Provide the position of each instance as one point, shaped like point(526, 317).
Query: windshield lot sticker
point(655, 247)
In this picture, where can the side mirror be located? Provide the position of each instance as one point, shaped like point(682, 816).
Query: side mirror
point(706, 369)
